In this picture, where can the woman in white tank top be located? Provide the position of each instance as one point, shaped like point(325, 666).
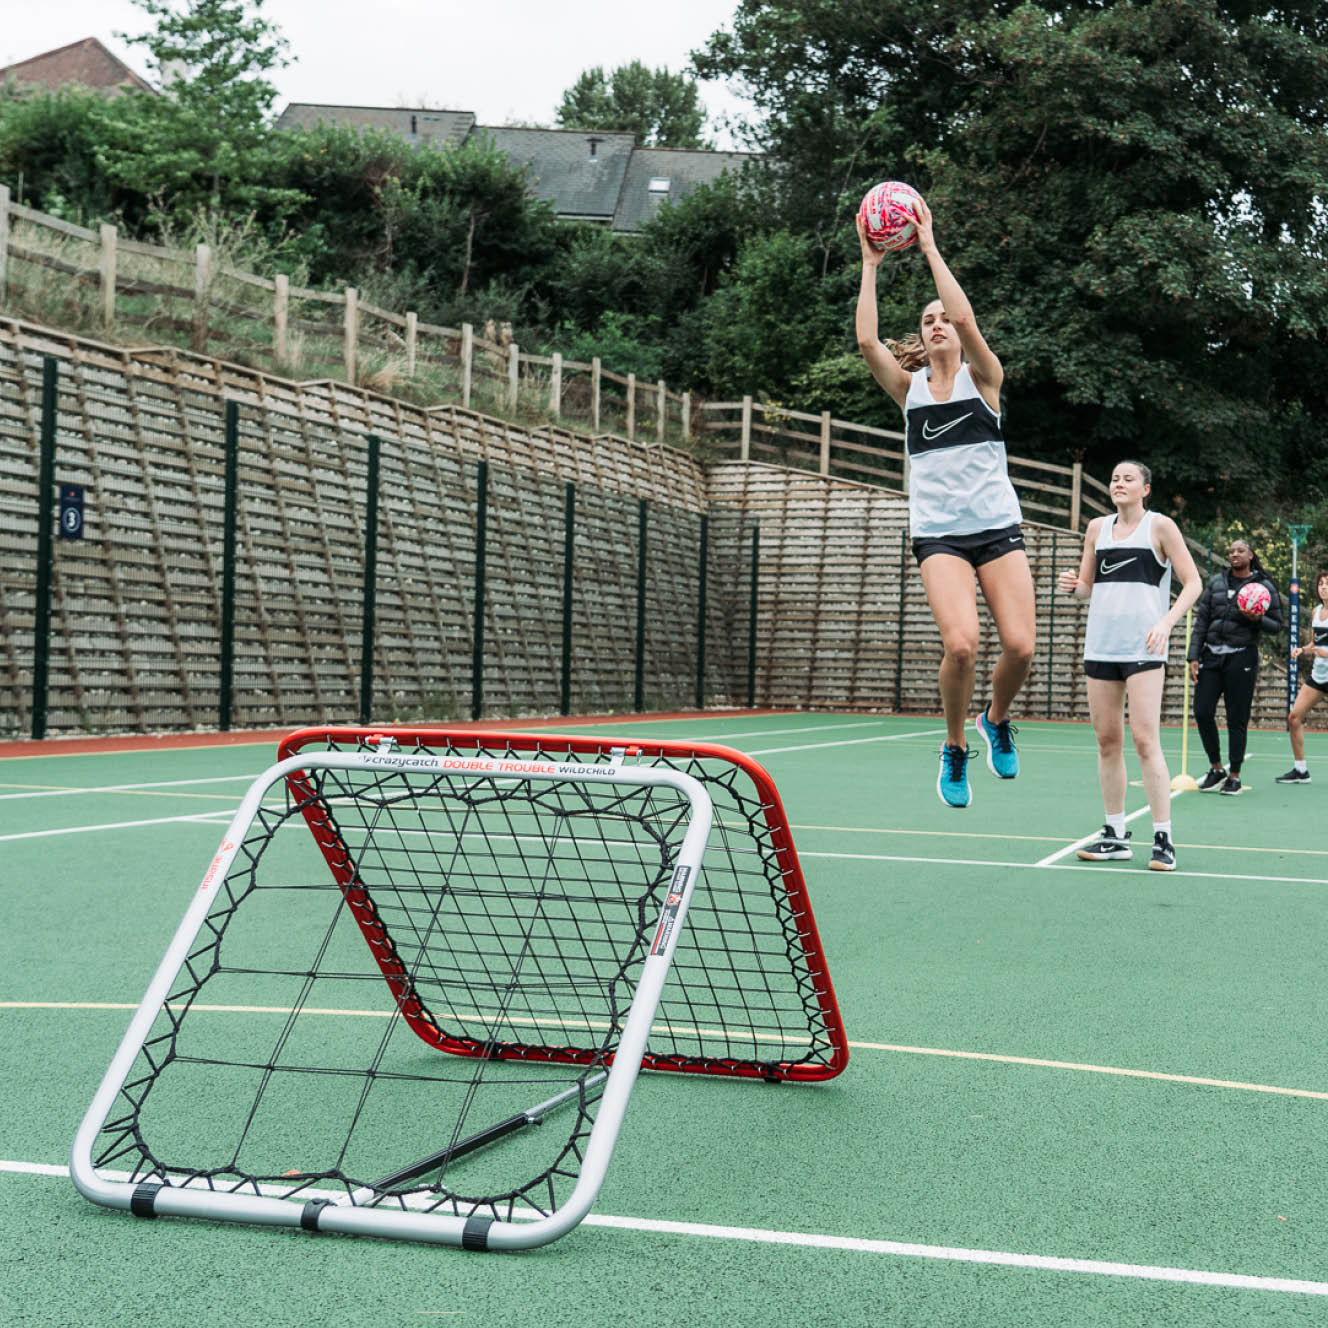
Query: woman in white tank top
point(963, 512)
point(1314, 688)
point(1126, 575)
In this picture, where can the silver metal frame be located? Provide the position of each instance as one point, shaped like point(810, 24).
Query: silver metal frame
point(345, 1215)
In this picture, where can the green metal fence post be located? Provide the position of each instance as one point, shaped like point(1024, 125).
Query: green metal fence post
point(751, 617)
point(370, 580)
point(701, 612)
point(481, 535)
point(569, 555)
point(639, 693)
point(41, 645)
point(230, 517)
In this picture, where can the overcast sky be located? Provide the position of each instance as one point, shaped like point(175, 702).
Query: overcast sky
point(503, 59)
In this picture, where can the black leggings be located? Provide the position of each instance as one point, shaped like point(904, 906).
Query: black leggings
point(1232, 677)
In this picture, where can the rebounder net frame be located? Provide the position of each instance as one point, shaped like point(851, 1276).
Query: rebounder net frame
point(515, 901)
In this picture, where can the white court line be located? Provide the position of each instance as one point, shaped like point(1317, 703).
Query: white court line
point(862, 1245)
point(205, 818)
point(1088, 839)
point(123, 788)
point(1095, 869)
point(1001, 1058)
point(847, 742)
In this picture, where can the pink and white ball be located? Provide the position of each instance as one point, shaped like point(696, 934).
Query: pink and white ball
point(889, 215)
point(1254, 598)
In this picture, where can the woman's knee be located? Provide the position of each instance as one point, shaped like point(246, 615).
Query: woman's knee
point(1019, 647)
point(1147, 743)
point(961, 647)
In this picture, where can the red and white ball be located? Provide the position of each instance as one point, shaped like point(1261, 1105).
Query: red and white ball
point(1254, 598)
point(889, 215)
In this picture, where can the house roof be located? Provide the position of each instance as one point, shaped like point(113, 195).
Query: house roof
point(659, 175)
point(579, 171)
point(86, 63)
point(419, 124)
point(588, 175)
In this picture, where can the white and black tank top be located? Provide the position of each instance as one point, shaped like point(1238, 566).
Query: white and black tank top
point(1131, 591)
point(1320, 625)
point(958, 480)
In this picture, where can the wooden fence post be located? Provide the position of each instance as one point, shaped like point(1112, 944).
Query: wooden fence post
point(4, 240)
point(631, 407)
point(351, 333)
point(467, 358)
point(594, 393)
point(107, 266)
point(659, 418)
point(412, 339)
point(1076, 493)
point(513, 376)
point(687, 417)
point(825, 442)
point(746, 453)
point(281, 316)
point(556, 386)
point(202, 287)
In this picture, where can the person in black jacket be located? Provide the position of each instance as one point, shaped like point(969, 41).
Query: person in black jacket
point(1224, 662)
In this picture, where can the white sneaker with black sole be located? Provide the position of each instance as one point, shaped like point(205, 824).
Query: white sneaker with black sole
point(1164, 853)
point(1108, 847)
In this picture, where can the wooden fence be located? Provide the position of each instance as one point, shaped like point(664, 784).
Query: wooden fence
point(93, 281)
point(97, 280)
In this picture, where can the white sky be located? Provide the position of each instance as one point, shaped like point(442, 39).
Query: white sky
point(503, 59)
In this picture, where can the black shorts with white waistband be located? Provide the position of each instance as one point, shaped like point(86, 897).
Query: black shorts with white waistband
point(983, 546)
point(1318, 686)
point(1115, 670)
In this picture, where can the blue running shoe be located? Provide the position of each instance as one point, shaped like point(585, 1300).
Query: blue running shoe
point(952, 783)
point(1002, 759)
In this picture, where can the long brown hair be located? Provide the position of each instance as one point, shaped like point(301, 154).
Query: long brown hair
point(909, 351)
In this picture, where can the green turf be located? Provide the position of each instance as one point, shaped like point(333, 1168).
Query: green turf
point(1213, 972)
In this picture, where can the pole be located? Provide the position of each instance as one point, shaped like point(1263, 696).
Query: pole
point(639, 696)
point(1298, 534)
point(481, 530)
point(1185, 782)
point(370, 580)
point(899, 621)
point(701, 613)
point(751, 617)
point(41, 646)
point(569, 551)
point(226, 685)
point(1051, 626)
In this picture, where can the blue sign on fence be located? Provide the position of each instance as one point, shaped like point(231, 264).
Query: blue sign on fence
point(71, 511)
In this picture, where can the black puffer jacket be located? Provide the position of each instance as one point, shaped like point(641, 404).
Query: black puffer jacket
point(1217, 620)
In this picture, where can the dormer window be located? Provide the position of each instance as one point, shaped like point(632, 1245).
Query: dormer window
point(594, 143)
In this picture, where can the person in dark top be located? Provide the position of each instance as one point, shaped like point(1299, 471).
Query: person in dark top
point(1224, 662)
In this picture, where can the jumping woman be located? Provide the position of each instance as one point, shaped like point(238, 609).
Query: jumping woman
point(963, 513)
point(1126, 570)
point(1314, 688)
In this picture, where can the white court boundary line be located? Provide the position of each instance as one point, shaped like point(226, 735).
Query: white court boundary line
point(862, 1245)
point(1000, 1058)
point(52, 791)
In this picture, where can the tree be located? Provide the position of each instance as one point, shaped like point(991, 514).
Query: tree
point(660, 108)
point(1130, 191)
point(204, 140)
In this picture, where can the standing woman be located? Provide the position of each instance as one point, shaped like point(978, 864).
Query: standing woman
point(1313, 689)
point(1126, 569)
point(963, 513)
point(1224, 662)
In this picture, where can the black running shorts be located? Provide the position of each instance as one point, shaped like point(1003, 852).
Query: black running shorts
point(1111, 670)
point(983, 546)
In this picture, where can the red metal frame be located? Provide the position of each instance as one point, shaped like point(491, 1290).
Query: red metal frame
point(338, 859)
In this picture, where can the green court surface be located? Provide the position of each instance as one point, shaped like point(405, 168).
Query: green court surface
point(1077, 1094)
